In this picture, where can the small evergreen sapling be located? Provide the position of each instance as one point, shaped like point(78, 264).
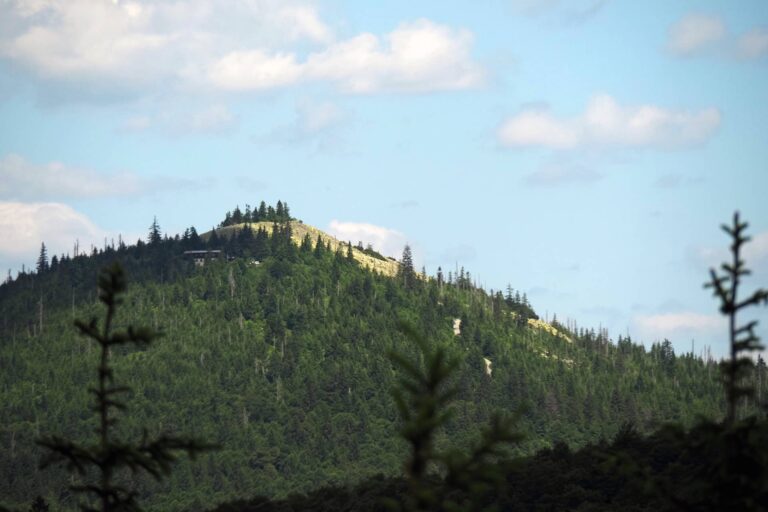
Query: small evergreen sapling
point(109, 456)
point(742, 337)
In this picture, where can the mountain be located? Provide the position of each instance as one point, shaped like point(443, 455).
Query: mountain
point(278, 352)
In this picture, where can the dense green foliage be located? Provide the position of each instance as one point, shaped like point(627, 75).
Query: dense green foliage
point(682, 470)
point(279, 213)
point(284, 364)
point(107, 456)
point(716, 465)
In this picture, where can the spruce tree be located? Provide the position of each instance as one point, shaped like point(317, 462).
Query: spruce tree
point(350, 255)
point(319, 247)
point(406, 272)
point(42, 260)
point(742, 337)
point(154, 237)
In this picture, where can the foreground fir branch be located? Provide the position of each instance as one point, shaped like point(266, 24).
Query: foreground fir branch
point(423, 399)
point(742, 337)
point(108, 456)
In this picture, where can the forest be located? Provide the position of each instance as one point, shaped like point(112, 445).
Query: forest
point(281, 355)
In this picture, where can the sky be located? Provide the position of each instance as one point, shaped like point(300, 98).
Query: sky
point(584, 152)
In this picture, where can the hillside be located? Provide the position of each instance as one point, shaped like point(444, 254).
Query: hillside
point(299, 230)
point(284, 363)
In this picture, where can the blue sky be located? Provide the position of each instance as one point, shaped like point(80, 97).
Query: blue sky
point(583, 151)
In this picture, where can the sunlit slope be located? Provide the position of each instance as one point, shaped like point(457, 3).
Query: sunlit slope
point(387, 266)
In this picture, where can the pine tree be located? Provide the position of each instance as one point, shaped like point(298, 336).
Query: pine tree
point(42, 260)
point(237, 216)
point(279, 212)
point(319, 247)
point(154, 237)
point(247, 216)
point(306, 244)
point(350, 255)
point(405, 271)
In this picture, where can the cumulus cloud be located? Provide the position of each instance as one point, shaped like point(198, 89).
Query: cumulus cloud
point(24, 226)
point(418, 56)
point(705, 34)
point(21, 179)
point(385, 240)
point(753, 44)
point(607, 123)
point(678, 325)
point(254, 70)
point(145, 45)
point(537, 128)
point(695, 33)
point(146, 41)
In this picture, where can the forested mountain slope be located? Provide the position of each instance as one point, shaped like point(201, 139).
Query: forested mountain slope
point(284, 363)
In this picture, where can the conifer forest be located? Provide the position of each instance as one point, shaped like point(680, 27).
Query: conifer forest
point(346, 256)
point(297, 378)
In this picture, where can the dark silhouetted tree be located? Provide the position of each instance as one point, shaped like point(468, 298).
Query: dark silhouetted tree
point(42, 260)
point(155, 237)
point(742, 337)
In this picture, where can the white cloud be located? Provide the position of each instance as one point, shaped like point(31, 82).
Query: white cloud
point(695, 33)
point(304, 21)
point(419, 56)
point(705, 34)
point(254, 70)
point(537, 128)
point(21, 179)
point(753, 44)
point(607, 123)
point(387, 241)
point(678, 325)
point(24, 226)
point(146, 42)
point(135, 47)
point(756, 250)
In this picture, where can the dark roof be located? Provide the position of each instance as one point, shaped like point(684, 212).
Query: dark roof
point(203, 252)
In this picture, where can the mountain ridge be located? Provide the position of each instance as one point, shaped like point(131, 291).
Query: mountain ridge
point(284, 364)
